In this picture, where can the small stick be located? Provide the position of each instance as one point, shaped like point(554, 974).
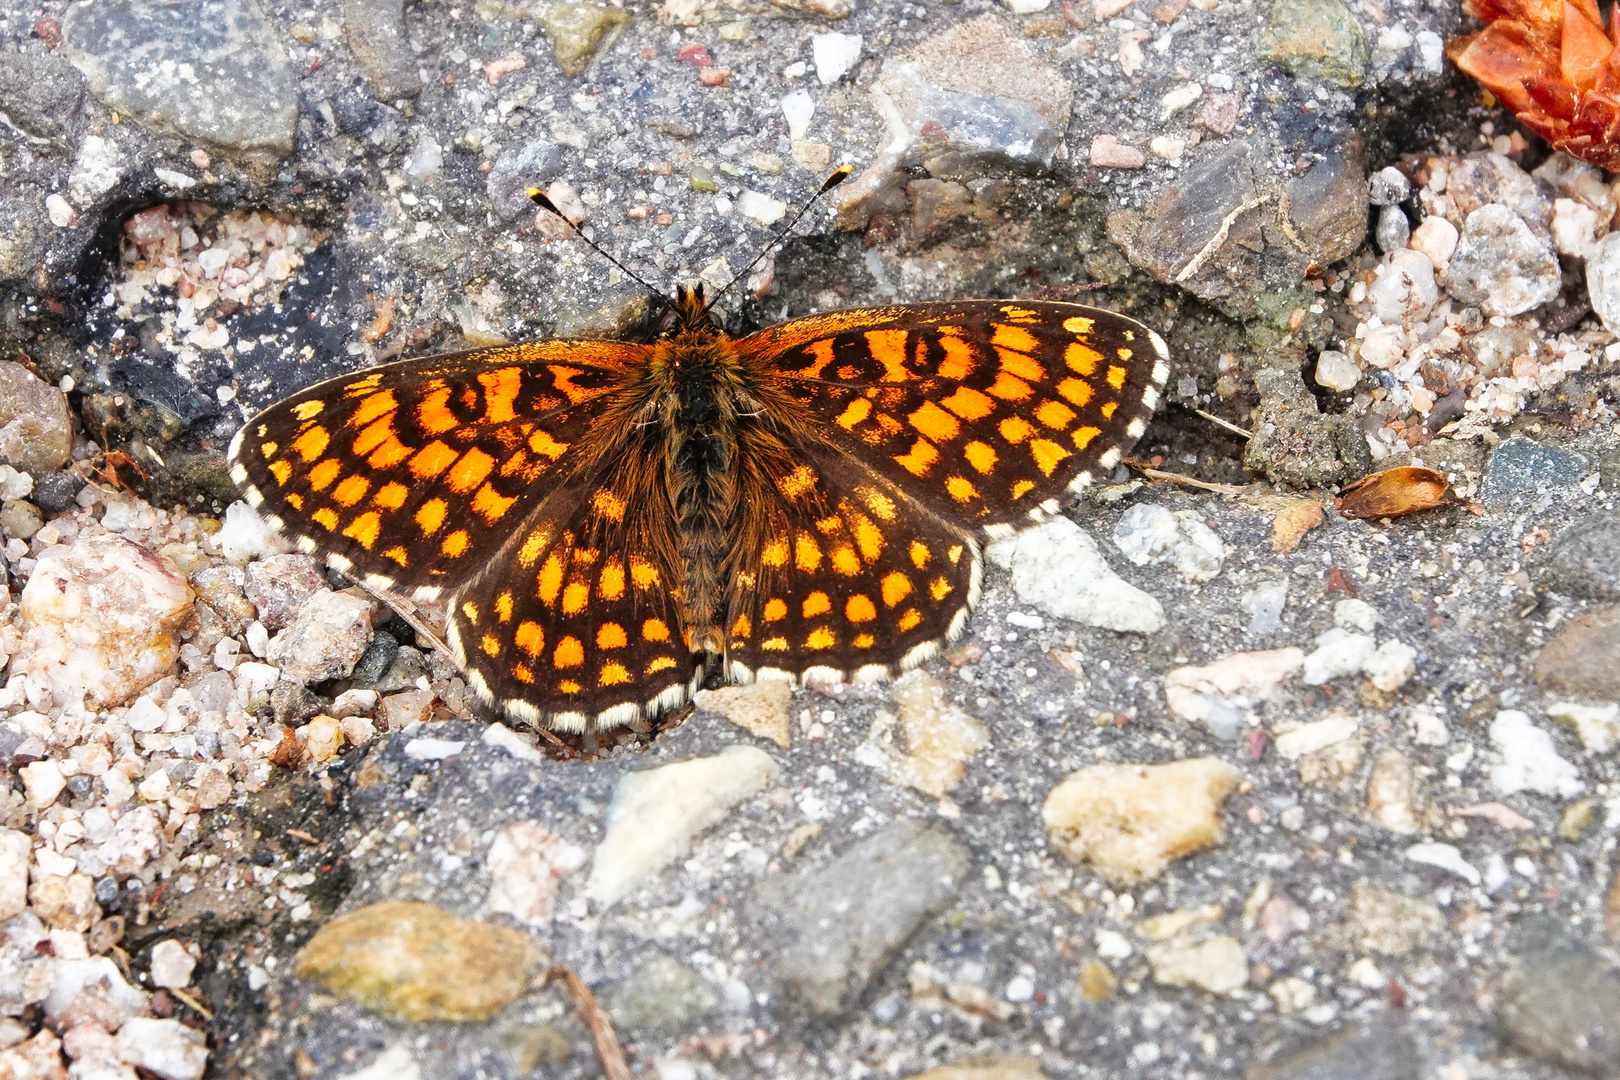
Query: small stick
point(1203, 485)
point(596, 1018)
point(1227, 424)
point(196, 1005)
point(1197, 262)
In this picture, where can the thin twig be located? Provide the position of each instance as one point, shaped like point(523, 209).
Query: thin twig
point(407, 611)
point(190, 1000)
point(1197, 262)
point(596, 1018)
point(1203, 485)
point(1227, 424)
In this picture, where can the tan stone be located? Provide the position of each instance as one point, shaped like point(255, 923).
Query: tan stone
point(760, 709)
point(1129, 821)
point(986, 1068)
point(1215, 963)
point(418, 963)
point(938, 738)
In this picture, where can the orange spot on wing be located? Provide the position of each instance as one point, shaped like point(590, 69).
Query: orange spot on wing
point(643, 573)
point(969, 404)
point(432, 460)
point(806, 552)
point(980, 456)
point(1022, 488)
point(607, 504)
point(797, 482)
point(920, 459)
point(1025, 367)
point(491, 505)
point(612, 675)
point(575, 595)
point(959, 361)
point(1047, 454)
point(1082, 358)
point(889, 349)
point(569, 653)
point(326, 518)
point(503, 606)
point(864, 641)
point(433, 415)
point(1013, 337)
point(281, 470)
point(308, 410)
point(1075, 391)
point(470, 470)
point(523, 673)
point(896, 587)
point(775, 610)
point(939, 588)
point(611, 584)
point(817, 603)
point(543, 444)
point(372, 407)
point(1008, 388)
point(860, 609)
point(1116, 376)
point(390, 453)
point(877, 502)
point(311, 444)
point(655, 630)
point(1109, 409)
point(919, 554)
point(854, 413)
point(391, 496)
point(961, 489)
point(909, 620)
point(775, 552)
point(1015, 429)
point(663, 663)
point(820, 638)
point(548, 582)
point(1054, 414)
point(455, 545)
point(935, 422)
point(1083, 436)
point(611, 636)
point(533, 545)
point(430, 515)
point(364, 529)
point(491, 645)
point(322, 475)
point(500, 391)
point(741, 628)
point(845, 561)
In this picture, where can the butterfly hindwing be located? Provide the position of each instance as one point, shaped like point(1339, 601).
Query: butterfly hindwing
point(987, 411)
point(842, 576)
point(573, 625)
point(412, 472)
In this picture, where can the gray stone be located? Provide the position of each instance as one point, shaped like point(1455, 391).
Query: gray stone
point(281, 584)
point(377, 659)
point(375, 30)
point(1486, 177)
point(324, 640)
point(210, 70)
point(1376, 1051)
point(293, 704)
point(935, 204)
point(973, 101)
point(36, 428)
point(39, 94)
point(1230, 230)
point(842, 922)
point(1583, 657)
point(664, 997)
point(1561, 1003)
point(1394, 230)
point(1501, 265)
point(58, 492)
point(1388, 186)
point(516, 169)
point(1520, 466)
point(1585, 559)
point(1603, 280)
point(1315, 39)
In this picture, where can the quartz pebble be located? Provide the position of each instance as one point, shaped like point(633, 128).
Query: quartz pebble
point(99, 623)
point(324, 639)
point(1057, 567)
point(760, 708)
point(1529, 760)
point(938, 737)
point(526, 864)
point(657, 812)
point(1219, 694)
point(1147, 533)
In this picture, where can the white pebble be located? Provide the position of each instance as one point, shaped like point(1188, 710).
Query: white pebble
point(1444, 857)
point(1435, 238)
point(1529, 760)
point(834, 54)
point(798, 107)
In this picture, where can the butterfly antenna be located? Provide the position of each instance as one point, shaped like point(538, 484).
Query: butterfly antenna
point(839, 175)
point(540, 199)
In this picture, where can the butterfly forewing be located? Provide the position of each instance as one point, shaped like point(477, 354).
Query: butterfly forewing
point(987, 411)
point(412, 473)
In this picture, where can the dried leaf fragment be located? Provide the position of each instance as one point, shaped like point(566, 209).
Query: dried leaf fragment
point(1296, 518)
point(1394, 493)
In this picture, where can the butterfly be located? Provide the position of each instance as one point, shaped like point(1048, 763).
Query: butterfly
point(611, 524)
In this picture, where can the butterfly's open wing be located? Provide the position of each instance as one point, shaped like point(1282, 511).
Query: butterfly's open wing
point(988, 412)
point(839, 574)
point(404, 475)
point(572, 624)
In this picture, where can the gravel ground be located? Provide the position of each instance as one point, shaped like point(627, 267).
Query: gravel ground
point(1223, 782)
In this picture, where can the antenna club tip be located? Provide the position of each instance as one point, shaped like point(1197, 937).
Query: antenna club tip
point(839, 175)
point(540, 199)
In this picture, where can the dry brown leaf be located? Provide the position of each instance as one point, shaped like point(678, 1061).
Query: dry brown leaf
point(1293, 521)
point(1394, 492)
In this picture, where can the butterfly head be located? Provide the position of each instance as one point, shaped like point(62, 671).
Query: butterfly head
point(688, 313)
